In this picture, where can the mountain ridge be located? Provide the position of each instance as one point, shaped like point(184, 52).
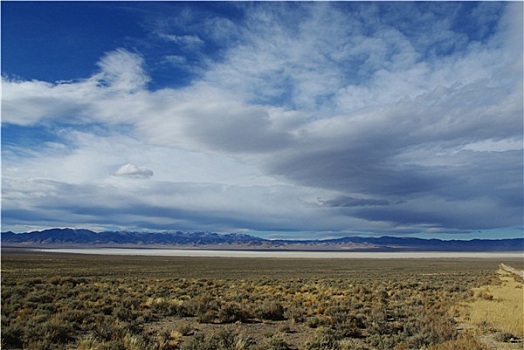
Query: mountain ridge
point(62, 237)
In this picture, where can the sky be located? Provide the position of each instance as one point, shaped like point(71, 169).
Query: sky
point(277, 119)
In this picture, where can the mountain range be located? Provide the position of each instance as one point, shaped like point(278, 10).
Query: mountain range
point(67, 237)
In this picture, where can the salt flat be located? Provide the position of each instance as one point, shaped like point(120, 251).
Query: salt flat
point(285, 254)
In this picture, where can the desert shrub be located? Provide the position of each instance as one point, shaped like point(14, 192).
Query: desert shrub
point(504, 337)
point(271, 310)
point(198, 342)
point(201, 305)
point(59, 331)
point(159, 306)
point(484, 294)
point(384, 342)
point(164, 341)
point(441, 328)
point(12, 337)
point(485, 326)
point(134, 342)
point(318, 321)
point(232, 312)
point(432, 328)
point(130, 303)
point(209, 316)
point(145, 316)
point(88, 343)
point(322, 341)
point(114, 344)
point(286, 328)
point(107, 330)
point(164, 308)
point(225, 339)
point(347, 325)
point(274, 343)
point(123, 314)
point(184, 328)
point(40, 297)
point(295, 313)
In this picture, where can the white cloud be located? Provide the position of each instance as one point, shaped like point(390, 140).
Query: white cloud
point(491, 145)
point(122, 71)
point(29, 102)
point(190, 41)
point(131, 170)
point(176, 59)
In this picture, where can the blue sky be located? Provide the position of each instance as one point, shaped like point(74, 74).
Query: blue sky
point(282, 119)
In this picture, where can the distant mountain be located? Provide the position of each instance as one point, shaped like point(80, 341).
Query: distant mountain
point(68, 236)
point(78, 237)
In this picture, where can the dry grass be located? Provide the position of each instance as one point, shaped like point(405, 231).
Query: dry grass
point(464, 342)
point(498, 307)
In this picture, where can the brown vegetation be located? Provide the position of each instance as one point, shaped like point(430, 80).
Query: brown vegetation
point(86, 302)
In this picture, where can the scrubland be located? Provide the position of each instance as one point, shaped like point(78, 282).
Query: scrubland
point(60, 301)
